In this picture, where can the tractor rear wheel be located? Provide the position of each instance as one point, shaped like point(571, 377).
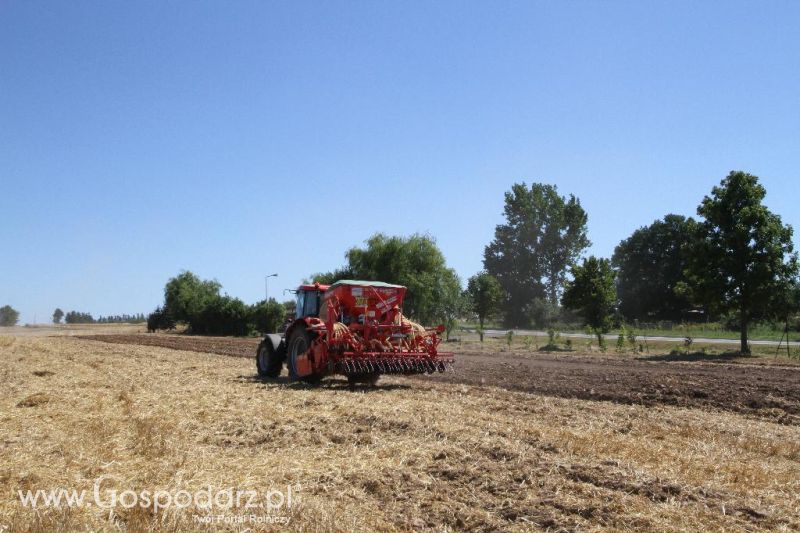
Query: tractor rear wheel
point(299, 343)
point(269, 361)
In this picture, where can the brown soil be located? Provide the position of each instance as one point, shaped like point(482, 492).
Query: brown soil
point(234, 346)
point(764, 391)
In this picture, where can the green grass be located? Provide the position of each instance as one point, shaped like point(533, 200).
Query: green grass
point(714, 331)
point(679, 331)
point(672, 350)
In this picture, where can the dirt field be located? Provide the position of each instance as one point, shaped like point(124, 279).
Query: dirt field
point(71, 330)
point(410, 454)
point(770, 391)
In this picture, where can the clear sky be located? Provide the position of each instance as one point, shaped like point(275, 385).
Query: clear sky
point(236, 139)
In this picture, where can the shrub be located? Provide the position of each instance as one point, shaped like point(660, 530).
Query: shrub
point(266, 316)
point(160, 319)
point(632, 339)
point(222, 315)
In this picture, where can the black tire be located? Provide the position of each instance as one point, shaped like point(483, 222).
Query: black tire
point(299, 342)
point(269, 361)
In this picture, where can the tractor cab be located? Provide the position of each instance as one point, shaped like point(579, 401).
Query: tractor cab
point(309, 298)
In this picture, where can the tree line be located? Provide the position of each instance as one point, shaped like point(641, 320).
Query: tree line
point(735, 262)
point(78, 317)
point(199, 304)
point(10, 316)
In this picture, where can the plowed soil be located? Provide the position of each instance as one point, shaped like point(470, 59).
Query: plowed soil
point(765, 391)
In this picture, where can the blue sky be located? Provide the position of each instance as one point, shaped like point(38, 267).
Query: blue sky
point(236, 139)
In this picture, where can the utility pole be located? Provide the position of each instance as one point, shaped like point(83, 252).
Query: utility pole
point(266, 286)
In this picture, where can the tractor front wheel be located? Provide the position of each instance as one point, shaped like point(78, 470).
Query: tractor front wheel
point(299, 343)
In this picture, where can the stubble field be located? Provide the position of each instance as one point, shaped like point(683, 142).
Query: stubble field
point(652, 444)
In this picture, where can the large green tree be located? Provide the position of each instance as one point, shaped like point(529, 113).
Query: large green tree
point(650, 265)
point(742, 259)
point(543, 235)
point(8, 316)
point(186, 296)
point(592, 294)
point(485, 295)
point(434, 290)
point(58, 314)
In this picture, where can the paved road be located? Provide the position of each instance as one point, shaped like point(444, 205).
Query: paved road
point(697, 340)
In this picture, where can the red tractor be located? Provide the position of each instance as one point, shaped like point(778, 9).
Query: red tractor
point(354, 328)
